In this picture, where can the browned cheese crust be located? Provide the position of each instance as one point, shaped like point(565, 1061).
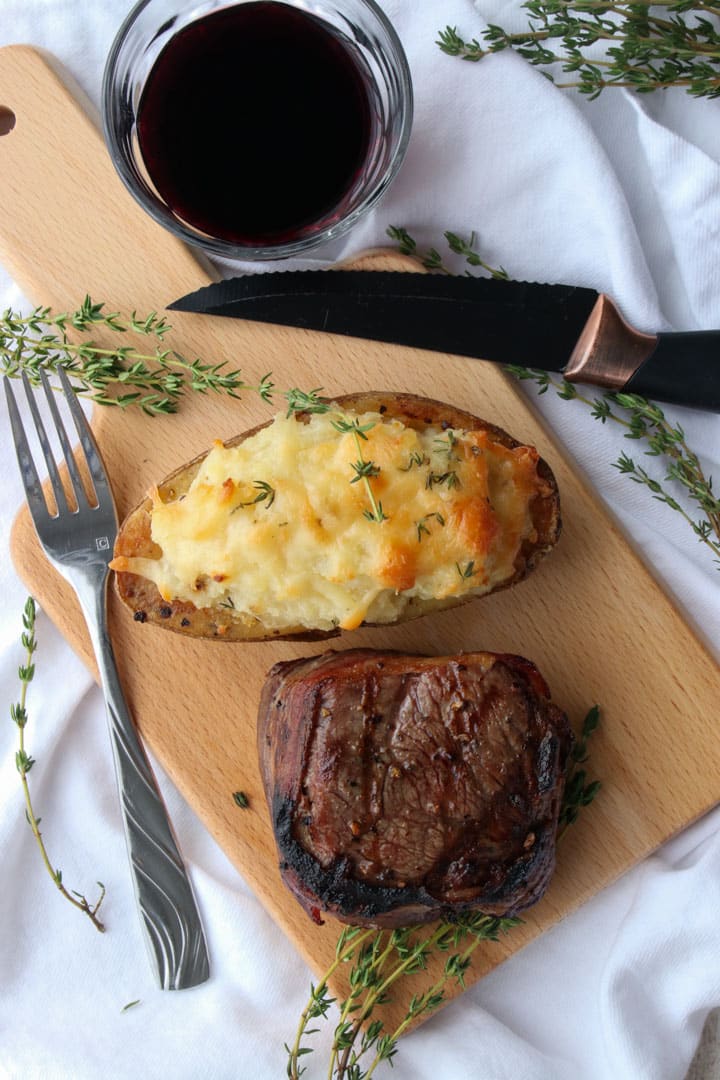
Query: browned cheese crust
point(403, 789)
point(135, 538)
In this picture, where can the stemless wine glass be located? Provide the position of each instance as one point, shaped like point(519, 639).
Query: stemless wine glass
point(368, 43)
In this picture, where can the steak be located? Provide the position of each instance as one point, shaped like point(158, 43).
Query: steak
point(403, 789)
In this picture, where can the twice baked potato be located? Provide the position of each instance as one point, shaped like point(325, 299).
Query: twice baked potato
point(385, 507)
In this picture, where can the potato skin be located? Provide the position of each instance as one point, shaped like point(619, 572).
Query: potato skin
point(134, 537)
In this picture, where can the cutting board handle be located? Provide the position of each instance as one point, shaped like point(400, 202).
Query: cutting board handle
point(67, 224)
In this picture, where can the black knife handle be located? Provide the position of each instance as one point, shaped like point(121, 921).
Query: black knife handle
point(683, 369)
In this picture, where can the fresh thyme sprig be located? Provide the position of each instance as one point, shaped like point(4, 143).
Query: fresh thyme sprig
point(644, 420)
point(117, 374)
point(24, 763)
point(431, 259)
point(299, 401)
point(380, 959)
point(478, 928)
point(643, 46)
point(350, 941)
point(121, 375)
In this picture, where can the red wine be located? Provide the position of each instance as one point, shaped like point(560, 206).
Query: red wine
point(255, 123)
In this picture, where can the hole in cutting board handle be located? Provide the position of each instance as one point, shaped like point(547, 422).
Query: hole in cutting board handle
point(7, 120)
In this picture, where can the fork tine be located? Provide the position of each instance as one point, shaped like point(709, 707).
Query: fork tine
point(30, 478)
point(58, 489)
point(75, 478)
point(87, 441)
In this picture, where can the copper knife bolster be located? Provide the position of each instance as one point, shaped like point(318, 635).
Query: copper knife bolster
point(609, 351)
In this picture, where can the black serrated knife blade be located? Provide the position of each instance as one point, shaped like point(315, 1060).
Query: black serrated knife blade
point(565, 328)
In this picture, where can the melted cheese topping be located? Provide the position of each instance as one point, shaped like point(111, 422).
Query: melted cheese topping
point(277, 528)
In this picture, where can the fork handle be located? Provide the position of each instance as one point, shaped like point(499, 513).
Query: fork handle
point(169, 914)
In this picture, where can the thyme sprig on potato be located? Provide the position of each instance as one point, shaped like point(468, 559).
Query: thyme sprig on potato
point(365, 471)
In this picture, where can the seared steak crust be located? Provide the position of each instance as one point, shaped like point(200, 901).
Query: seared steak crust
point(406, 788)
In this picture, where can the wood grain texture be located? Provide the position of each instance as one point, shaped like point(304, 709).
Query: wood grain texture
point(591, 617)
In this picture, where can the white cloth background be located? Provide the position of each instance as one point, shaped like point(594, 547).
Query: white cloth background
point(622, 194)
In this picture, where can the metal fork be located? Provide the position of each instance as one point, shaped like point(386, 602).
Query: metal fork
point(79, 543)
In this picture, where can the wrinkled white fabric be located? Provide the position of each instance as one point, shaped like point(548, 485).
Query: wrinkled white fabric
point(622, 194)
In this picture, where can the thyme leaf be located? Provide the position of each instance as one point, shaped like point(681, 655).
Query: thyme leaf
point(467, 571)
point(450, 478)
point(421, 527)
point(377, 513)
point(415, 459)
point(364, 469)
point(354, 427)
point(446, 445)
point(265, 493)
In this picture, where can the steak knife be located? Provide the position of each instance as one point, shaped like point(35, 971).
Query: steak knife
point(563, 328)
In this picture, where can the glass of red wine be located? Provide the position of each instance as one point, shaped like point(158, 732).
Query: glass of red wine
point(261, 128)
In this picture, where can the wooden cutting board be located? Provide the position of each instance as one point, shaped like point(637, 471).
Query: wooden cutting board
point(592, 617)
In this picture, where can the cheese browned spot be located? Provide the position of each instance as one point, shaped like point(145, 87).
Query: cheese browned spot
point(274, 528)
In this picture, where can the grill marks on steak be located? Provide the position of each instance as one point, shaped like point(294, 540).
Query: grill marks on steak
point(406, 788)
